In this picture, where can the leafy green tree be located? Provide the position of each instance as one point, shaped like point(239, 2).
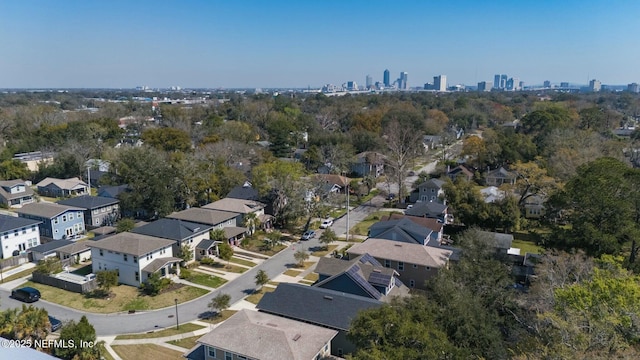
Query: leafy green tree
point(125, 224)
point(31, 324)
point(49, 266)
point(261, 278)
point(327, 237)
point(79, 332)
point(225, 252)
point(155, 284)
point(107, 279)
point(301, 256)
point(185, 253)
point(220, 303)
point(251, 222)
point(167, 139)
point(14, 169)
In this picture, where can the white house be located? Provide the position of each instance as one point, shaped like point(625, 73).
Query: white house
point(17, 235)
point(135, 256)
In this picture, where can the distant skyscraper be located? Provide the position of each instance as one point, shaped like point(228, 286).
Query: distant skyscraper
point(633, 87)
point(352, 86)
point(595, 85)
point(503, 81)
point(385, 80)
point(440, 83)
point(496, 81)
point(564, 85)
point(547, 84)
point(485, 86)
point(369, 81)
point(402, 83)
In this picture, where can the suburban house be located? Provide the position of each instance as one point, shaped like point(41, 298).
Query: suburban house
point(244, 192)
point(368, 163)
point(260, 336)
point(135, 256)
point(17, 235)
point(414, 263)
point(47, 250)
point(53, 187)
point(429, 191)
point(431, 141)
point(98, 210)
point(499, 177)
point(112, 191)
point(402, 230)
point(460, 172)
point(534, 207)
point(15, 193)
point(361, 276)
point(323, 307)
point(79, 251)
point(34, 159)
point(331, 183)
point(432, 210)
point(181, 232)
point(501, 242)
point(492, 194)
point(436, 227)
point(56, 221)
point(242, 207)
point(215, 219)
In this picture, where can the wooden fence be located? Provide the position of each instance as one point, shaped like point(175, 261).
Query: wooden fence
point(64, 284)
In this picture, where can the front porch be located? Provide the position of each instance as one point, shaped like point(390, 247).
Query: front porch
point(166, 267)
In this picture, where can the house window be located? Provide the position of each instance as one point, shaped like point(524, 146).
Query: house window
point(55, 221)
point(415, 266)
point(95, 211)
point(64, 218)
point(125, 257)
point(103, 210)
point(433, 190)
point(400, 266)
point(427, 268)
point(212, 352)
point(97, 221)
point(70, 216)
point(387, 263)
point(412, 283)
point(228, 356)
point(135, 259)
point(240, 357)
point(340, 352)
point(138, 278)
point(101, 252)
point(24, 231)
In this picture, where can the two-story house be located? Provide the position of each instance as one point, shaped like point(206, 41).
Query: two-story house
point(368, 163)
point(15, 193)
point(62, 187)
point(213, 219)
point(56, 221)
point(429, 191)
point(499, 177)
point(534, 207)
point(414, 263)
point(433, 210)
point(242, 207)
point(98, 210)
point(135, 256)
point(17, 235)
point(459, 172)
point(436, 227)
point(253, 335)
point(181, 232)
point(403, 230)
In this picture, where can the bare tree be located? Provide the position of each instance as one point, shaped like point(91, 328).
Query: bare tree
point(404, 145)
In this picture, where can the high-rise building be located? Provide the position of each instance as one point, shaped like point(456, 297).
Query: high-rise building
point(485, 86)
point(503, 81)
point(385, 80)
point(595, 85)
point(369, 81)
point(633, 87)
point(440, 83)
point(564, 85)
point(547, 84)
point(496, 81)
point(402, 82)
point(352, 86)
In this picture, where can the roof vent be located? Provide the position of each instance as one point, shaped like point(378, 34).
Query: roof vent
point(328, 297)
point(196, 229)
point(398, 245)
point(272, 325)
point(376, 270)
point(298, 336)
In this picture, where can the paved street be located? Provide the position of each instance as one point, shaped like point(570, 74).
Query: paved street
point(120, 323)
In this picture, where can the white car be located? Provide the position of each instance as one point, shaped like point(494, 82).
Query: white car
point(326, 223)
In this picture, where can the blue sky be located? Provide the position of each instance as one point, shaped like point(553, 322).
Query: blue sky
point(310, 43)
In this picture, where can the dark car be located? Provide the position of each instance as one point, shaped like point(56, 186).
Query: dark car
point(391, 196)
point(26, 294)
point(55, 324)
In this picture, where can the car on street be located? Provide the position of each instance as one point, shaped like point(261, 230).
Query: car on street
point(326, 223)
point(55, 324)
point(309, 234)
point(26, 294)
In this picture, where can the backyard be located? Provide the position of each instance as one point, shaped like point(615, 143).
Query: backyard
point(124, 298)
point(362, 228)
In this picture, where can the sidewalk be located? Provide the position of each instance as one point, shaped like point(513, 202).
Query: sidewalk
point(15, 283)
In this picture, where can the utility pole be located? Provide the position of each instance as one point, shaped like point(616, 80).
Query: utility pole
point(177, 321)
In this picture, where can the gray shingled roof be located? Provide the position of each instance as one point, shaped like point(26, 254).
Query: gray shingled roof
point(244, 192)
point(75, 247)
point(50, 247)
point(434, 257)
point(260, 335)
point(89, 202)
point(315, 305)
point(426, 208)
point(499, 240)
point(113, 191)
point(174, 229)
point(10, 223)
point(204, 216)
point(403, 230)
point(239, 206)
point(432, 183)
point(130, 243)
point(156, 264)
point(10, 183)
point(45, 210)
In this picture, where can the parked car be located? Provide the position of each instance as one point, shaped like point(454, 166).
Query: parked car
point(391, 196)
point(309, 234)
point(326, 223)
point(55, 324)
point(26, 294)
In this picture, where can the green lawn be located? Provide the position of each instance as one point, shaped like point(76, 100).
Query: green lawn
point(362, 228)
point(242, 262)
point(184, 328)
point(527, 247)
point(255, 297)
point(206, 280)
point(256, 244)
point(124, 298)
point(146, 351)
point(186, 343)
point(322, 253)
point(228, 267)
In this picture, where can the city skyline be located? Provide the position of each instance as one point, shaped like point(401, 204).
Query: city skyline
point(212, 44)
